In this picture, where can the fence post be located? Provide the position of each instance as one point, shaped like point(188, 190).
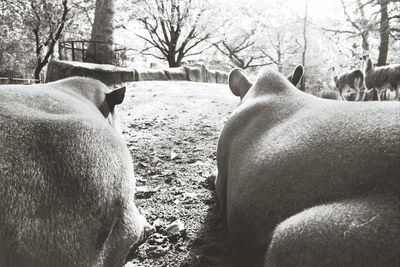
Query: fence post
point(124, 57)
point(73, 50)
point(83, 51)
point(118, 54)
point(95, 49)
point(10, 77)
point(60, 51)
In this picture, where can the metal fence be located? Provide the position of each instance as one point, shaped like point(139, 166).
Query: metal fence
point(77, 51)
point(13, 80)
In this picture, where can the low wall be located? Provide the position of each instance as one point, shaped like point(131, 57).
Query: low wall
point(60, 69)
point(222, 77)
point(108, 74)
point(151, 75)
point(176, 74)
point(197, 73)
point(211, 76)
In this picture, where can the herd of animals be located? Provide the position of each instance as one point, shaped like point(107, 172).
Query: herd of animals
point(302, 180)
point(379, 83)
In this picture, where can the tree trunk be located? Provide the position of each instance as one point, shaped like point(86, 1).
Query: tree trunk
point(279, 60)
point(55, 36)
point(100, 49)
point(174, 65)
point(177, 62)
point(171, 61)
point(384, 33)
point(303, 80)
point(38, 69)
point(365, 29)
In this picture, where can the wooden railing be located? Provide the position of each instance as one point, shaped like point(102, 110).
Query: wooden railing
point(77, 51)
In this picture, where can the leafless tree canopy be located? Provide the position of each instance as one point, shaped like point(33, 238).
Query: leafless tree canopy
point(173, 29)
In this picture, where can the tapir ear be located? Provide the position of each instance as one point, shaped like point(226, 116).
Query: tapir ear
point(238, 83)
point(296, 75)
point(115, 97)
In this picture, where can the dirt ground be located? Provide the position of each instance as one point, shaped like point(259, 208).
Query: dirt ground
point(172, 131)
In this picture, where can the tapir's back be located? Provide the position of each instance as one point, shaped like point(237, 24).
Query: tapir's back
point(354, 141)
point(304, 137)
point(61, 171)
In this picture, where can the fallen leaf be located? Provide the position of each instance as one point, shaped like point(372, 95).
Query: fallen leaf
point(174, 154)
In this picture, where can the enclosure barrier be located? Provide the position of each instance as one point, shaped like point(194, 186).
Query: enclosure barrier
point(13, 80)
point(196, 74)
point(151, 75)
point(77, 51)
point(211, 76)
point(177, 74)
point(109, 74)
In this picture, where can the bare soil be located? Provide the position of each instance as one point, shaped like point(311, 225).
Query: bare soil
point(172, 131)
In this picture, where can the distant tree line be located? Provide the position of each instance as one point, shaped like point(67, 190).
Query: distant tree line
point(177, 30)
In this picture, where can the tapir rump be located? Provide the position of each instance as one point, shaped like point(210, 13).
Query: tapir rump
point(305, 181)
point(66, 177)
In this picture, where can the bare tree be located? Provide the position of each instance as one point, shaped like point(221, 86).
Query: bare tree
point(378, 21)
point(242, 50)
point(173, 29)
point(268, 41)
point(362, 24)
point(100, 49)
point(394, 19)
point(281, 48)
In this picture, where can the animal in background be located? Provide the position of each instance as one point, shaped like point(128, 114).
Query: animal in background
point(305, 181)
point(329, 94)
point(349, 83)
point(66, 177)
point(382, 78)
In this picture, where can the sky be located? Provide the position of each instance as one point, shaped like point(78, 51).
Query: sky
point(320, 9)
point(317, 9)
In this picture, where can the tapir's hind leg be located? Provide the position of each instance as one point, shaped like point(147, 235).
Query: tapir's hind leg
point(129, 231)
point(360, 232)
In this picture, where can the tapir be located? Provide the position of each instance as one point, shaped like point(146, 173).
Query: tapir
point(66, 177)
point(306, 181)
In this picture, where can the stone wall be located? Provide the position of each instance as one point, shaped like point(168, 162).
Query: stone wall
point(177, 74)
point(59, 69)
point(151, 75)
point(108, 74)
